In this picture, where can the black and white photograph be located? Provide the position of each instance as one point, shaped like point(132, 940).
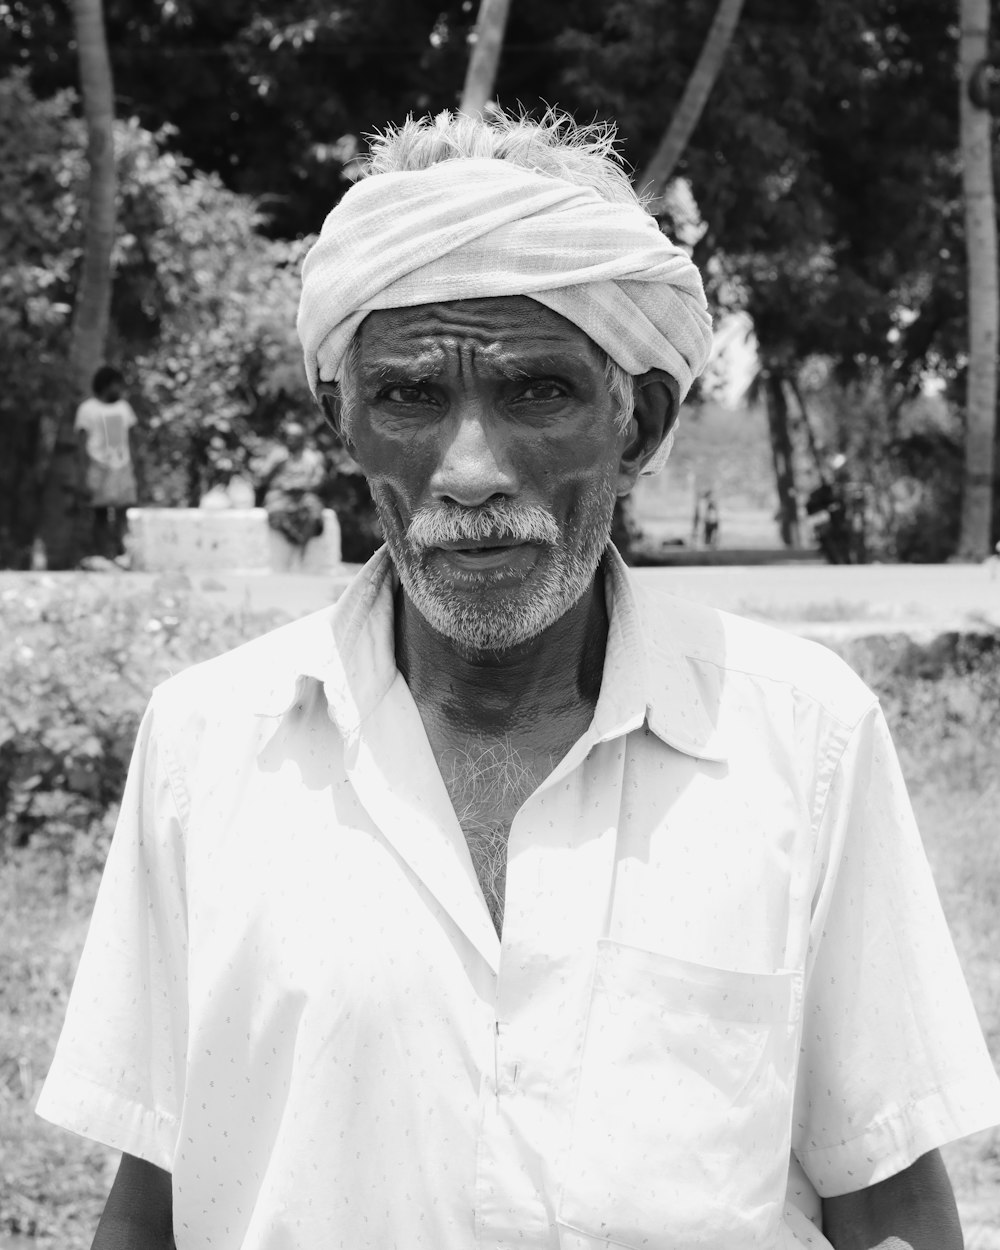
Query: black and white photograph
point(499, 625)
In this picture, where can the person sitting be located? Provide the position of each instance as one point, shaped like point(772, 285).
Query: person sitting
point(290, 483)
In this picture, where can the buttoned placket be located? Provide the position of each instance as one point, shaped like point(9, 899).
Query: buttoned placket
point(553, 917)
point(551, 914)
point(559, 883)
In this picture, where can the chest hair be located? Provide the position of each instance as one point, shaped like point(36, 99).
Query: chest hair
point(487, 783)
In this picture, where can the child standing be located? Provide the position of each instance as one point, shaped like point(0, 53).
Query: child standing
point(105, 424)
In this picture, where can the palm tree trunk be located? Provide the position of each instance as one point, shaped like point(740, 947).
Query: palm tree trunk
point(93, 300)
point(981, 253)
point(654, 178)
point(484, 60)
point(65, 515)
point(782, 454)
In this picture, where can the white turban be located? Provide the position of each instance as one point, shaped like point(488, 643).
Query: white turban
point(471, 228)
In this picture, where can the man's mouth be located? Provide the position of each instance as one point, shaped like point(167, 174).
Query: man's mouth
point(475, 546)
point(469, 555)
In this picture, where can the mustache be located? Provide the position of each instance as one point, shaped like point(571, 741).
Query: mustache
point(451, 523)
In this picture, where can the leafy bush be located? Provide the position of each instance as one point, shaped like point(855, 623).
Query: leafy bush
point(78, 659)
point(41, 161)
point(926, 491)
point(904, 457)
point(943, 707)
point(202, 312)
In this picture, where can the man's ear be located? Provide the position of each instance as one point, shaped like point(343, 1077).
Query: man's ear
point(657, 404)
point(328, 398)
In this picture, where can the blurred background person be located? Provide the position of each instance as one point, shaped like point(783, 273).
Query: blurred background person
point(105, 427)
point(290, 482)
point(835, 509)
point(710, 520)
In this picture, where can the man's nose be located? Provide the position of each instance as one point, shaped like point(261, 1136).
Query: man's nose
point(474, 464)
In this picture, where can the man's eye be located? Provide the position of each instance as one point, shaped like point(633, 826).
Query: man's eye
point(404, 393)
point(542, 389)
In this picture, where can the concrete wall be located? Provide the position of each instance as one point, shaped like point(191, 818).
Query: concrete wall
point(182, 539)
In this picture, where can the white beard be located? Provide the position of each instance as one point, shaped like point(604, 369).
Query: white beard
point(499, 622)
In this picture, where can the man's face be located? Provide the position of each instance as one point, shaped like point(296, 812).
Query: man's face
point(487, 433)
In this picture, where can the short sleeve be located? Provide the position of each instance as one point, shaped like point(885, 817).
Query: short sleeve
point(128, 415)
point(82, 419)
point(893, 1060)
point(117, 1075)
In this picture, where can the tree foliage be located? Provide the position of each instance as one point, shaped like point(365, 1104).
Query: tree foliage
point(205, 309)
point(202, 316)
point(78, 665)
point(262, 94)
point(824, 165)
point(40, 170)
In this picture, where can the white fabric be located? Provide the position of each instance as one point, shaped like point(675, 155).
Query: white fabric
point(106, 427)
point(721, 945)
point(469, 229)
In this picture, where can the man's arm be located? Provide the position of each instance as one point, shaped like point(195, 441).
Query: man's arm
point(914, 1210)
point(139, 1210)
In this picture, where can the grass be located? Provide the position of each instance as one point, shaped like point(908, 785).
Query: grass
point(947, 732)
point(53, 1185)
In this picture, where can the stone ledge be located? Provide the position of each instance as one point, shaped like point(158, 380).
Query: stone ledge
point(164, 540)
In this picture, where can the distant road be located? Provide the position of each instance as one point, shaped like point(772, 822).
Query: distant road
point(875, 595)
point(931, 593)
point(938, 595)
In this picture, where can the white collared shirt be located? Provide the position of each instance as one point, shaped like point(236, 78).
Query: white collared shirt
point(725, 984)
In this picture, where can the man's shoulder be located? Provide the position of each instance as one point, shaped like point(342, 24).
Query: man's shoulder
point(722, 646)
point(258, 677)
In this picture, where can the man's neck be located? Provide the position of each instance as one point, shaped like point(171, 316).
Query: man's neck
point(545, 687)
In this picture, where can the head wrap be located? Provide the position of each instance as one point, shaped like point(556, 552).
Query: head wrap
point(472, 228)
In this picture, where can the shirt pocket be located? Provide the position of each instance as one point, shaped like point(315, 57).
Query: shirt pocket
point(681, 1129)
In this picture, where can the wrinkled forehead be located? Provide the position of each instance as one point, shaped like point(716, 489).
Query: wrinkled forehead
point(493, 334)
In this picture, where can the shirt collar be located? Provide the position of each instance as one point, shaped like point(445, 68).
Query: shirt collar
point(647, 678)
point(349, 650)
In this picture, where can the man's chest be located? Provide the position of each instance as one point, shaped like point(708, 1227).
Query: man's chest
point(341, 947)
point(637, 843)
point(488, 781)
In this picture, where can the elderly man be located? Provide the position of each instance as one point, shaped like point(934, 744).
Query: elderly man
point(501, 905)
